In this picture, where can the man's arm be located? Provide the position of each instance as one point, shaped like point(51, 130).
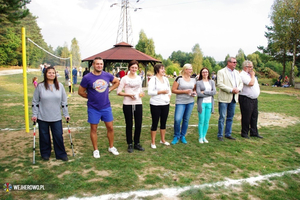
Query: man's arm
point(115, 84)
point(252, 74)
point(82, 92)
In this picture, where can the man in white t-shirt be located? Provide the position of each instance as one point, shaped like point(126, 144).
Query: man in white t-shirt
point(248, 101)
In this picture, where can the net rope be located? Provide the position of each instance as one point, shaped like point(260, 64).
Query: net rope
point(46, 50)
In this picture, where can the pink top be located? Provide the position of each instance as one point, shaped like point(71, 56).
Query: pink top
point(131, 86)
point(34, 84)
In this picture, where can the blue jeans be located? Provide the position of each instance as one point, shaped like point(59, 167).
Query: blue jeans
point(204, 118)
point(45, 140)
point(182, 112)
point(224, 108)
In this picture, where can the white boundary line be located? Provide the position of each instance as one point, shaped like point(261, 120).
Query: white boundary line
point(174, 192)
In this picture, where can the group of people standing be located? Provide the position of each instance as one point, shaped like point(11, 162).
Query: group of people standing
point(49, 97)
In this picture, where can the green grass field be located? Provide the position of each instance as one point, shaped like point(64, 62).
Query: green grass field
point(165, 167)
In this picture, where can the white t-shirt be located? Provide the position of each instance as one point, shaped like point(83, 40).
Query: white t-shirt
point(207, 88)
point(250, 91)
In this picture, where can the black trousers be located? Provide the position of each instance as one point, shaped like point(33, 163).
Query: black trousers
point(131, 111)
point(159, 112)
point(249, 111)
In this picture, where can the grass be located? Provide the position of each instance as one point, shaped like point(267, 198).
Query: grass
point(166, 167)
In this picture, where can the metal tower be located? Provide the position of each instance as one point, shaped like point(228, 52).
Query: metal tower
point(125, 28)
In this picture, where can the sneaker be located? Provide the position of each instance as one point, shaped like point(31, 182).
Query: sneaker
point(175, 140)
point(201, 141)
point(130, 148)
point(153, 146)
point(139, 147)
point(96, 154)
point(113, 150)
point(165, 143)
point(183, 140)
point(205, 140)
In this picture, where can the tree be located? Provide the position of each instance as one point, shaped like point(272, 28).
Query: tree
point(11, 46)
point(13, 10)
point(284, 33)
point(207, 64)
point(217, 68)
point(75, 51)
point(174, 67)
point(167, 62)
point(211, 60)
point(255, 59)
point(197, 60)
point(145, 45)
point(181, 57)
point(240, 58)
point(65, 53)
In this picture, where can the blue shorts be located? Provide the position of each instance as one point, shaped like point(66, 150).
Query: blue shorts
point(94, 116)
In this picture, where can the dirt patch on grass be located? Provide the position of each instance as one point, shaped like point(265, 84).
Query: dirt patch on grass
point(298, 150)
point(12, 104)
point(274, 92)
point(273, 119)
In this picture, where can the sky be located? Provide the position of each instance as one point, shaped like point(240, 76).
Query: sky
point(220, 27)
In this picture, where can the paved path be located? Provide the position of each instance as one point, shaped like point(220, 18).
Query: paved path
point(15, 71)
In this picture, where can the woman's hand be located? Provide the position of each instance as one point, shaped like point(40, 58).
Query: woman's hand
point(33, 119)
point(142, 94)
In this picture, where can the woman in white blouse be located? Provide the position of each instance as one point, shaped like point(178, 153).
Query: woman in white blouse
point(160, 92)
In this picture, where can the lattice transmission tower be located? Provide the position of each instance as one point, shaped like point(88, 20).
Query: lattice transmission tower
point(125, 27)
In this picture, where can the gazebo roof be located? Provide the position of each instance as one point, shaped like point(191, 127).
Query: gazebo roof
point(123, 52)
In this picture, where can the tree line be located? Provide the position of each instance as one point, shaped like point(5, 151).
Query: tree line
point(280, 56)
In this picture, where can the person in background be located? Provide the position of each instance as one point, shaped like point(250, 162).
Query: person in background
point(74, 73)
point(34, 81)
point(86, 71)
point(160, 92)
point(205, 88)
point(277, 83)
point(174, 74)
point(80, 71)
point(132, 105)
point(70, 86)
point(142, 74)
point(248, 101)
point(230, 84)
point(95, 87)
point(184, 88)
point(48, 99)
point(67, 77)
point(122, 74)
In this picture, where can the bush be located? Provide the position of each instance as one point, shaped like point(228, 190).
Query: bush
point(170, 69)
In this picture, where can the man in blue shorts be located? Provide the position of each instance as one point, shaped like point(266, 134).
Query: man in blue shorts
point(95, 87)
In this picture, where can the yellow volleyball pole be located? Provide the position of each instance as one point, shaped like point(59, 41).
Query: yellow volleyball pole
point(71, 73)
point(25, 80)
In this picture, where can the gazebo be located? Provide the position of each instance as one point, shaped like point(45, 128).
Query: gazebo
point(122, 53)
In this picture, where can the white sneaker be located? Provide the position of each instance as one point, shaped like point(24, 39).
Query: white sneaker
point(201, 141)
point(166, 143)
point(96, 154)
point(153, 146)
point(113, 150)
point(205, 140)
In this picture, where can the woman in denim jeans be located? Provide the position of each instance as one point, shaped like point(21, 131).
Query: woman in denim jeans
point(184, 88)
